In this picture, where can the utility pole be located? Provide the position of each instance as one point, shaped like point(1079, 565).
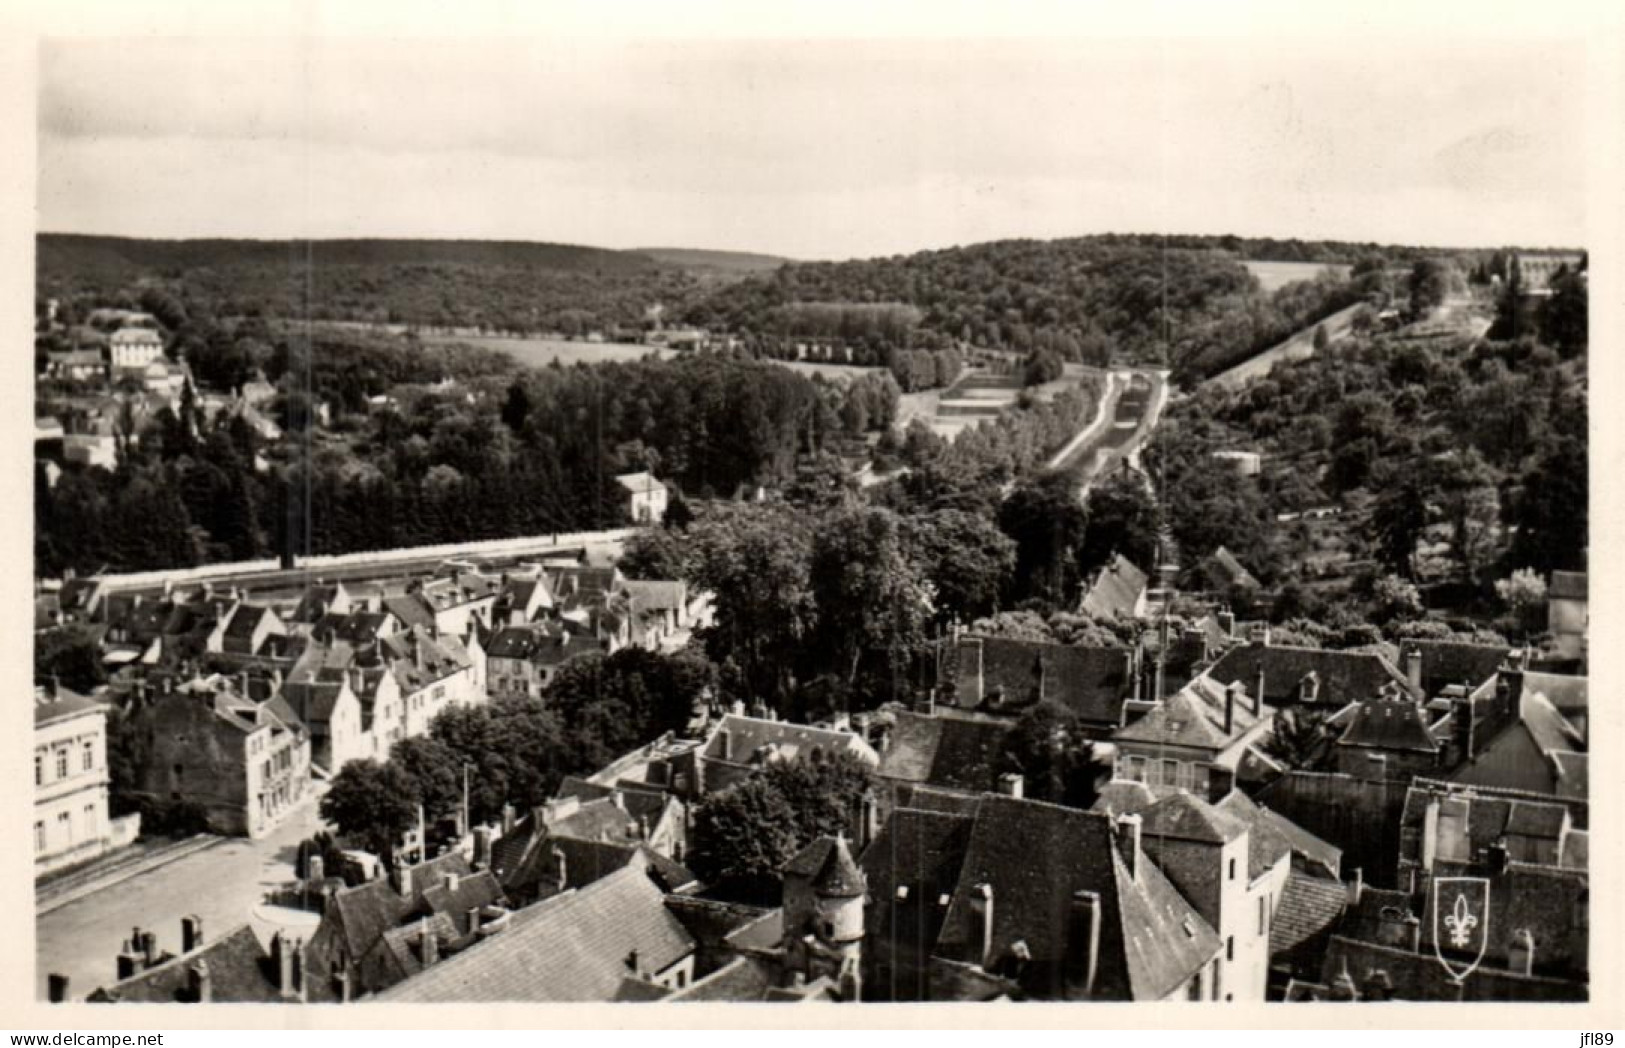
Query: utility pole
point(468, 824)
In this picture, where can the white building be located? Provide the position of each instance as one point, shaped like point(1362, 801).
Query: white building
point(71, 823)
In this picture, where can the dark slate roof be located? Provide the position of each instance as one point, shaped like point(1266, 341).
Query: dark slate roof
point(363, 914)
point(55, 703)
point(1492, 815)
point(1185, 817)
point(747, 735)
point(827, 863)
point(475, 890)
point(1446, 662)
point(1344, 676)
point(1267, 842)
point(1567, 693)
point(945, 751)
point(239, 972)
point(741, 979)
point(1309, 907)
point(245, 620)
point(572, 947)
point(1567, 585)
point(1115, 590)
point(411, 610)
point(1035, 856)
point(1399, 725)
point(1089, 681)
point(917, 855)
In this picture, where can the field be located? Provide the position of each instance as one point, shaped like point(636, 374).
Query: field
point(832, 371)
point(539, 352)
point(1274, 275)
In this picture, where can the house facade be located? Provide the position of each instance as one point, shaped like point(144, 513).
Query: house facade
point(71, 822)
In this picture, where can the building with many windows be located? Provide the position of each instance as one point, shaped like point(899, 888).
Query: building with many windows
point(71, 823)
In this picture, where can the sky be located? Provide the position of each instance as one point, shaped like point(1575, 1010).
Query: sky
point(814, 149)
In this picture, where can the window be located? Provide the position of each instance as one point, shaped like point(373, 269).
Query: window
point(90, 820)
point(89, 755)
point(39, 770)
point(39, 837)
point(1230, 950)
point(1232, 869)
point(64, 824)
point(1193, 992)
point(1170, 772)
point(62, 762)
point(1263, 914)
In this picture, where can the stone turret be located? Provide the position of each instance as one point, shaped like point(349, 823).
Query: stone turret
point(824, 897)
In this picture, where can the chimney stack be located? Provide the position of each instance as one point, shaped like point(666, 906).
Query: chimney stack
point(282, 955)
point(981, 908)
point(1230, 707)
point(192, 932)
point(725, 744)
point(431, 944)
point(453, 880)
point(57, 991)
point(561, 866)
point(1413, 668)
point(1521, 953)
point(1227, 622)
point(1128, 839)
point(1012, 784)
point(507, 819)
point(482, 847)
point(197, 980)
point(1356, 887)
point(1084, 942)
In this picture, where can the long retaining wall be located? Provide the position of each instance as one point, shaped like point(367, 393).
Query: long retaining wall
point(379, 558)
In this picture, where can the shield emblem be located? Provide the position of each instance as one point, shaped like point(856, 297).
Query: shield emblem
point(1461, 923)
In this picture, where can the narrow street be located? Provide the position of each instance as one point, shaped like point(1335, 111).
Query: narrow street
point(222, 884)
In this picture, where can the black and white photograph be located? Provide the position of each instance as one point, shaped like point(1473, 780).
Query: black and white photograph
point(833, 519)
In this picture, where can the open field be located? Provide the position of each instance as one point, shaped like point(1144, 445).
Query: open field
point(540, 352)
point(1273, 275)
point(840, 371)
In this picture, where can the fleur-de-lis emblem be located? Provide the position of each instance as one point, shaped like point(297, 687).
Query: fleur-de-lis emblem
point(1461, 922)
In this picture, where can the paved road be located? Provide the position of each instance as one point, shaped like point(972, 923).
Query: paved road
point(1134, 411)
point(1297, 347)
point(221, 884)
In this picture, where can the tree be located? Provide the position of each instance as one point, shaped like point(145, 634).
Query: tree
point(1044, 365)
point(1299, 738)
point(1400, 516)
point(371, 802)
point(1524, 594)
point(1428, 285)
point(964, 556)
point(743, 836)
point(656, 554)
point(615, 703)
point(71, 655)
point(516, 409)
point(1122, 520)
point(1564, 321)
point(1049, 749)
point(868, 594)
point(1048, 523)
point(434, 772)
point(1395, 598)
point(1552, 509)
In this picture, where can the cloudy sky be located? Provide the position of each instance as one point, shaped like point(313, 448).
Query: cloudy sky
point(822, 149)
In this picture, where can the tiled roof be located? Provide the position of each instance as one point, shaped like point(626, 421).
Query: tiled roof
point(1446, 662)
point(747, 735)
point(945, 751)
point(475, 890)
point(58, 703)
point(239, 973)
point(1343, 676)
point(911, 866)
point(1194, 716)
point(1573, 775)
point(1035, 856)
point(827, 862)
point(640, 483)
point(1309, 906)
point(1012, 673)
point(1551, 732)
point(1390, 724)
point(1183, 816)
point(573, 947)
point(1267, 842)
point(741, 979)
point(363, 913)
point(1115, 590)
point(659, 596)
point(411, 609)
point(1566, 693)
point(1223, 570)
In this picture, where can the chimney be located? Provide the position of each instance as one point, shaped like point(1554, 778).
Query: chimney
point(1128, 840)
point(1011, 784)
point(149, 948)
point(1259, 634)
point(403, 873)
point(1496, 857)
point(1376, 767)
point(1413, 668)
point(344, 987)
point(430, 943)
point(1084, 942)
point(316, 869)
point(1462, 728)
point(1230, 707)
point(482, 847)
point(981, 908)
point(507, 819)
point(1521, 953)
point(1220, 781)
point(869, 818)
point(452, 881)
point(725, 744)
point(1356, 887)
point(473, 920)
point(57, 991)
point(126, 962)
point(1430, 833)
point(282, 952)
point(561, 865)
point(632, 961)
point(198, 983)
point(1227, 623)
point(192, 932)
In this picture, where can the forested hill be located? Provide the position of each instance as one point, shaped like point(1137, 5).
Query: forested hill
point(701, 260)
